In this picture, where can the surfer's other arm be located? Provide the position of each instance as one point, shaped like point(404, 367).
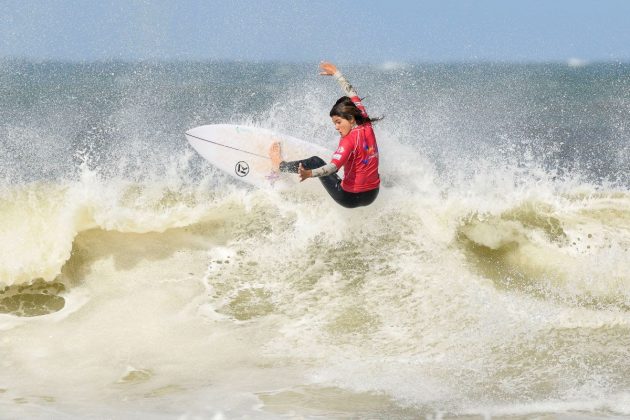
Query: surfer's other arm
point(325, 170)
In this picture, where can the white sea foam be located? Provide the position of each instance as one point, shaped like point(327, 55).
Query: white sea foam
point(491, 288)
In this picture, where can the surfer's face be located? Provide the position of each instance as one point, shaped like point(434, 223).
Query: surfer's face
point(342, 125)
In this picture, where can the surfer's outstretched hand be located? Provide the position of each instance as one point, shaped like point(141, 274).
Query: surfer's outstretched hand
point(328, 69)
point(304, 173)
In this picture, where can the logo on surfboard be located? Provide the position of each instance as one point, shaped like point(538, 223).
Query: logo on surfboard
point(241, 168)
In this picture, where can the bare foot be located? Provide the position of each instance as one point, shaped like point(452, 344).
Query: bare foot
point(275, 156)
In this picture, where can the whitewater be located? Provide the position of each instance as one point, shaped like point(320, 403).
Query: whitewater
point(491, 277)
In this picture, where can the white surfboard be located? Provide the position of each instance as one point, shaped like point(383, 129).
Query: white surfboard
point(243, 153)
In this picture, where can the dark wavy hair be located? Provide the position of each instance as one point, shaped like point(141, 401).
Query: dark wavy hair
point(346, 109)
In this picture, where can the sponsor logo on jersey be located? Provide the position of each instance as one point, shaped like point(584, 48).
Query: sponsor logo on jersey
point(336, 156)
point(371, 153)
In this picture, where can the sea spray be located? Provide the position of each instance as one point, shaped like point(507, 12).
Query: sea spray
point(490, 277)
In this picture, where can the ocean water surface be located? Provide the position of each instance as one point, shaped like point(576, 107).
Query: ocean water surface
point(491, 278)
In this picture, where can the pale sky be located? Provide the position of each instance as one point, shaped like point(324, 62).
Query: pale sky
point(309, 30)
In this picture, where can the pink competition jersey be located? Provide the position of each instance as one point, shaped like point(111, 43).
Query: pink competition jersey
point(358, 154)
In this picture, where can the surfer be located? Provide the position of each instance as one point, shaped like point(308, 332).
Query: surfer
point(357, 152)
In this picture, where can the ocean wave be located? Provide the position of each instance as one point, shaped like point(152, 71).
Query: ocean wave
point(489, 277)
point(563, 244)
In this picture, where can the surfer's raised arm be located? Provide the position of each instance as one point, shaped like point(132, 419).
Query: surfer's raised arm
point(329, 69)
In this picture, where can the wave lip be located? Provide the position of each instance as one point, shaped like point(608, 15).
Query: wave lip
point(576, 251)
point(39, 221)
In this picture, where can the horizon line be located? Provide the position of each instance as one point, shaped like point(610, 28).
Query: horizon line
point(571, 61)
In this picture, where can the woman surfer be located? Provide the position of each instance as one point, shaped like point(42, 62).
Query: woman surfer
point(357, 151)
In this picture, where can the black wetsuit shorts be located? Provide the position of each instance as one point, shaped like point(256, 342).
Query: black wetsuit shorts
point(332, 184)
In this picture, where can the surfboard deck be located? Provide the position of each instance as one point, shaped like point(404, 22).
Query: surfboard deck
point(243, 153)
